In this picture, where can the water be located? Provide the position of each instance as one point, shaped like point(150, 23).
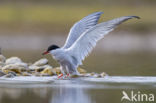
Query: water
point(84, 90)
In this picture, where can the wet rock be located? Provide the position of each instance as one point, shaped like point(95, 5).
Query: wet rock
point(41, 62)
point(81, 71)
point(2, 73)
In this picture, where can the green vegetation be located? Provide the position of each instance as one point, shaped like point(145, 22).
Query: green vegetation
point(62, 16)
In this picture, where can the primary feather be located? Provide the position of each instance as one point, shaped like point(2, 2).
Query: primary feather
point(87, 41)
point(80, 27)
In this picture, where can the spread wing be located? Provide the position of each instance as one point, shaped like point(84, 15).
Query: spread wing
point(87, 41)
point(80, 27)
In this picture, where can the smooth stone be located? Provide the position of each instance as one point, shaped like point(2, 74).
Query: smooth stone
point(49, 70)
point(38, 68)
point(13, 60)
point(41, 62)
point(103, 74)
point(14, 67)
point(57, 70)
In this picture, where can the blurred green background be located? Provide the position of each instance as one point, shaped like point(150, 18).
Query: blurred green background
point(59, 16)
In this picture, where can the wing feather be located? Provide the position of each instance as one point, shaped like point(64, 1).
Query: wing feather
point(87, 41)
point(80, 27)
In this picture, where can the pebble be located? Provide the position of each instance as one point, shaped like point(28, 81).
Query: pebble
point(13, 60)
point(14, 66)
point(57, 70)
point(41, 62)
point(38, 68)
point(103, 74)
point(49, 70)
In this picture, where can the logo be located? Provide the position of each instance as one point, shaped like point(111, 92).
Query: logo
point(137, 97)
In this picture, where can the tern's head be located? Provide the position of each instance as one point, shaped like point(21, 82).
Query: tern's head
point(50, 48)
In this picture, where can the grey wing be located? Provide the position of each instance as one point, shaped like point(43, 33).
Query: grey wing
point(80, 27)
point(87, 41)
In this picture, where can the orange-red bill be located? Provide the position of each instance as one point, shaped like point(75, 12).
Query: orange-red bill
point(46, 52)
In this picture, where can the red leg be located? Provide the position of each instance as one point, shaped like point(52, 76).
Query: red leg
point(60, 75)
point(67, 75)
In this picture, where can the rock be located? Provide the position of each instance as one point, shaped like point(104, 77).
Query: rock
point(41, 62)
point(81, 71)
point(39, 68)
point(2, 58)
point(11, 72)
point(13, 60)
point(32, 67)
point(2, 73)
point(35, 68)
point(47, 66)
point(92, 74)
point(49, 70)
point(89, 74)
point(17, 68)
point(10, 75)
point(57, 70)
point(96, 75)
point(22, 64)
point(103, 74)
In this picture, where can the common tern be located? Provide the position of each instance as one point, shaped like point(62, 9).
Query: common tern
point(81, 40)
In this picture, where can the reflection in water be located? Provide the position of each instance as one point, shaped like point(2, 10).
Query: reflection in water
point(60, 92)
point(66, 94)
point(76, 91)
